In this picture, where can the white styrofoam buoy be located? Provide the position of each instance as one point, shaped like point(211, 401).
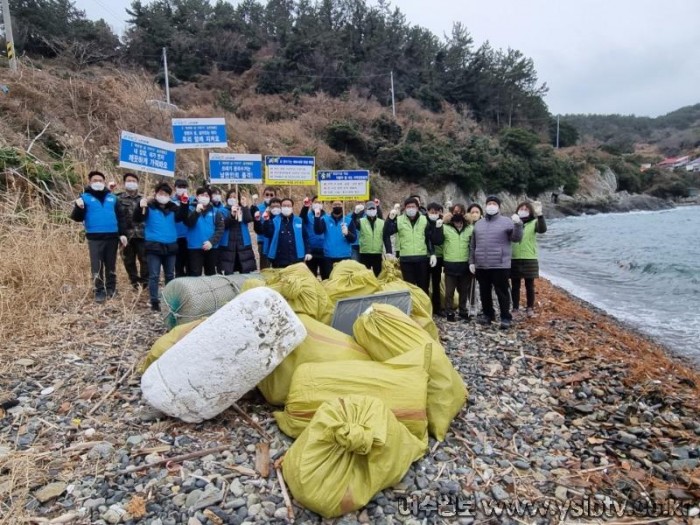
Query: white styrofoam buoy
point(224, 357)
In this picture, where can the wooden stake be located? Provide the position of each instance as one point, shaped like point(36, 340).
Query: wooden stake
point(204, 167)
point(175, 459)
point(285, 495)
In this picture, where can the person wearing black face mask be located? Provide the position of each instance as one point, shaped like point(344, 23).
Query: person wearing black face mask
point(456, 260)
point(97, 208)
point(338, 235)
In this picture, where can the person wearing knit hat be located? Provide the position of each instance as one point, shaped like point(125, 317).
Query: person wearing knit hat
point(374, 238)
point(490, 259)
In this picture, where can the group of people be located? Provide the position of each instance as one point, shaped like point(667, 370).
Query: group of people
point(209, 232)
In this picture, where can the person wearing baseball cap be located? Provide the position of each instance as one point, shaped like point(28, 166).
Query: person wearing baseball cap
point(374, 238)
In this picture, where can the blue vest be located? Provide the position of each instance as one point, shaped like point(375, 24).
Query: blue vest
point(356, 242)
point(334, 244)
point(181, 227)
point(100, 217)
point(226, 237)
point(298, 237)
point(160, 226)
point(315, 240)
point(261, 238)
point(203, 230)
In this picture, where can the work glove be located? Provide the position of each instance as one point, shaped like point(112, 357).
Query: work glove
point(537, 205)
point(359, 209)
point(433, 261)
point(377, 202)
point(472, 268)
point(234, 213)
point(256, 216)
point(308, 257)
point(199, 208)
point(123, 240)
point(207, 246)
point(307, 202)
point(266, 215)
point(184, 199)
point(393, 213)
point(438, 223)
point(516, 219)
point(254, 198)
point(80, 203)
point(143, 203)
point(317, 212)
point(344, 229)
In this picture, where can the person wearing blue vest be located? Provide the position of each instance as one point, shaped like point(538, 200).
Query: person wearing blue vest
point(315, 239)
point(205, 226)
point(161, 215)
point(235, 249)
point(288, 241)
point(338, 235)
point(219, 205)
point(258, 211)
point(97, 208)
point(182, 197)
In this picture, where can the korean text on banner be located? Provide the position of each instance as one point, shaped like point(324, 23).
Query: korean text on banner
point(290, 171)
point(199, 133)
point(235, 168)
point(343, 185)
point(146, 154)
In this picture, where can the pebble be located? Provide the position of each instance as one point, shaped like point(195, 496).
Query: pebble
point(50, 491)
point(281, 514)
point(134, 440)
point(499, 493)
point(254, 510)
point(101, 451)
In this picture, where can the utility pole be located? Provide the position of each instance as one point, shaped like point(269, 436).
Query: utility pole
point(7, 22)
point(393, 101)
point(165, 66)
point(557, 131)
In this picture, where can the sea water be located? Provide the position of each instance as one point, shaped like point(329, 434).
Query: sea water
point(641, 267)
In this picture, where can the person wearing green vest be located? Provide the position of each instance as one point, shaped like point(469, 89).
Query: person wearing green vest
point(434, 215)
point(374, 238)
point(416, 240)
point(524, 262)
point(457, 236)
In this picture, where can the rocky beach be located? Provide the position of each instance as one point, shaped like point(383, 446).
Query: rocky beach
point(568, 407)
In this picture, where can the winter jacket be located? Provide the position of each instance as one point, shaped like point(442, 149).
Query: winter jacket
point(160, 225)
point(99, 214)
point(236, 241)
point(126, 204)
point(490, 247)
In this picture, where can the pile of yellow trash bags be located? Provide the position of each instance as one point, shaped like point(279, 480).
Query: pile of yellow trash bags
point(360, 407)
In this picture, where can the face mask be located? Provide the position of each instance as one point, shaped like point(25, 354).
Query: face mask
point(180, 191)
point(267, 200)
point(232, 202)
point(204, 201)
point(492, 209)
point(371, 213)
point(523, 214)
point(317, 206)
point(458, 217)
point(98, 186)
point(337, 210)
point(216, 198)
point(131, 186)
point(162, 199)
point(275, 211)
point(433, 216)
point(286, 211)
point(411, 212)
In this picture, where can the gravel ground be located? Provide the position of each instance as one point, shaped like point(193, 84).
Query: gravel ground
point(566, 407)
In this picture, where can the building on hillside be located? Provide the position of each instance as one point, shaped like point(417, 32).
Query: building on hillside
point(693, 165)
point(644, 167)
point(672, 163)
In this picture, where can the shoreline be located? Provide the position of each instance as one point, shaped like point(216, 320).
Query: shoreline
point(569, 404)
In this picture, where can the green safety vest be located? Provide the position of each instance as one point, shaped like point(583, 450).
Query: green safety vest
point(527, 248)
point(412, 236)
point(439, 249)
point(371, 239)
point(456, 243)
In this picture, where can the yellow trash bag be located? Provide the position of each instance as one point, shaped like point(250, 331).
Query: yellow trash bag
point(165, 342)
point(322, 344)
point(350, 279)
point(302, 290)
point(455, 300)
point(421, 307)
point(252, 283)
point(402, 385)
point(353, 448)
point(386, 332)
point(391, 271)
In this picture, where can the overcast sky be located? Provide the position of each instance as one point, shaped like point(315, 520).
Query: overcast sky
point(597, 56)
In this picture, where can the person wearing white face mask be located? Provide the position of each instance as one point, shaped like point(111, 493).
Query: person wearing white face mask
point(524, 263)
point(160, 214)
point(258, 211)
point(236, 249)
point(288, 240)
point(181, 195)
point(315, 240)
point(205, 226)
point(490, 259)
point(374, 238)
point(97, 208)
point(131, 233)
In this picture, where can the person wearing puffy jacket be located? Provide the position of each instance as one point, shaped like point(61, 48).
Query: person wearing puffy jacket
point(205, 226)
point(490, 259)
point(524, 262)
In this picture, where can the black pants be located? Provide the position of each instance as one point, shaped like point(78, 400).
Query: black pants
point(435, 278)
point(199, 259)
point(417, 272)
point(498, 281)
point(155, 262)
point(471, 285)
point(460, 283)
point(134, 251)
point(103, 265)
point(182, 257)
point(373, 261)
point(264, 261)
point(327, 266)
point(316, 264)
point(355, 254)
point(529, 292)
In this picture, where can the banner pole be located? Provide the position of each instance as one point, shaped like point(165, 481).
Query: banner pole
point(204, 167)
